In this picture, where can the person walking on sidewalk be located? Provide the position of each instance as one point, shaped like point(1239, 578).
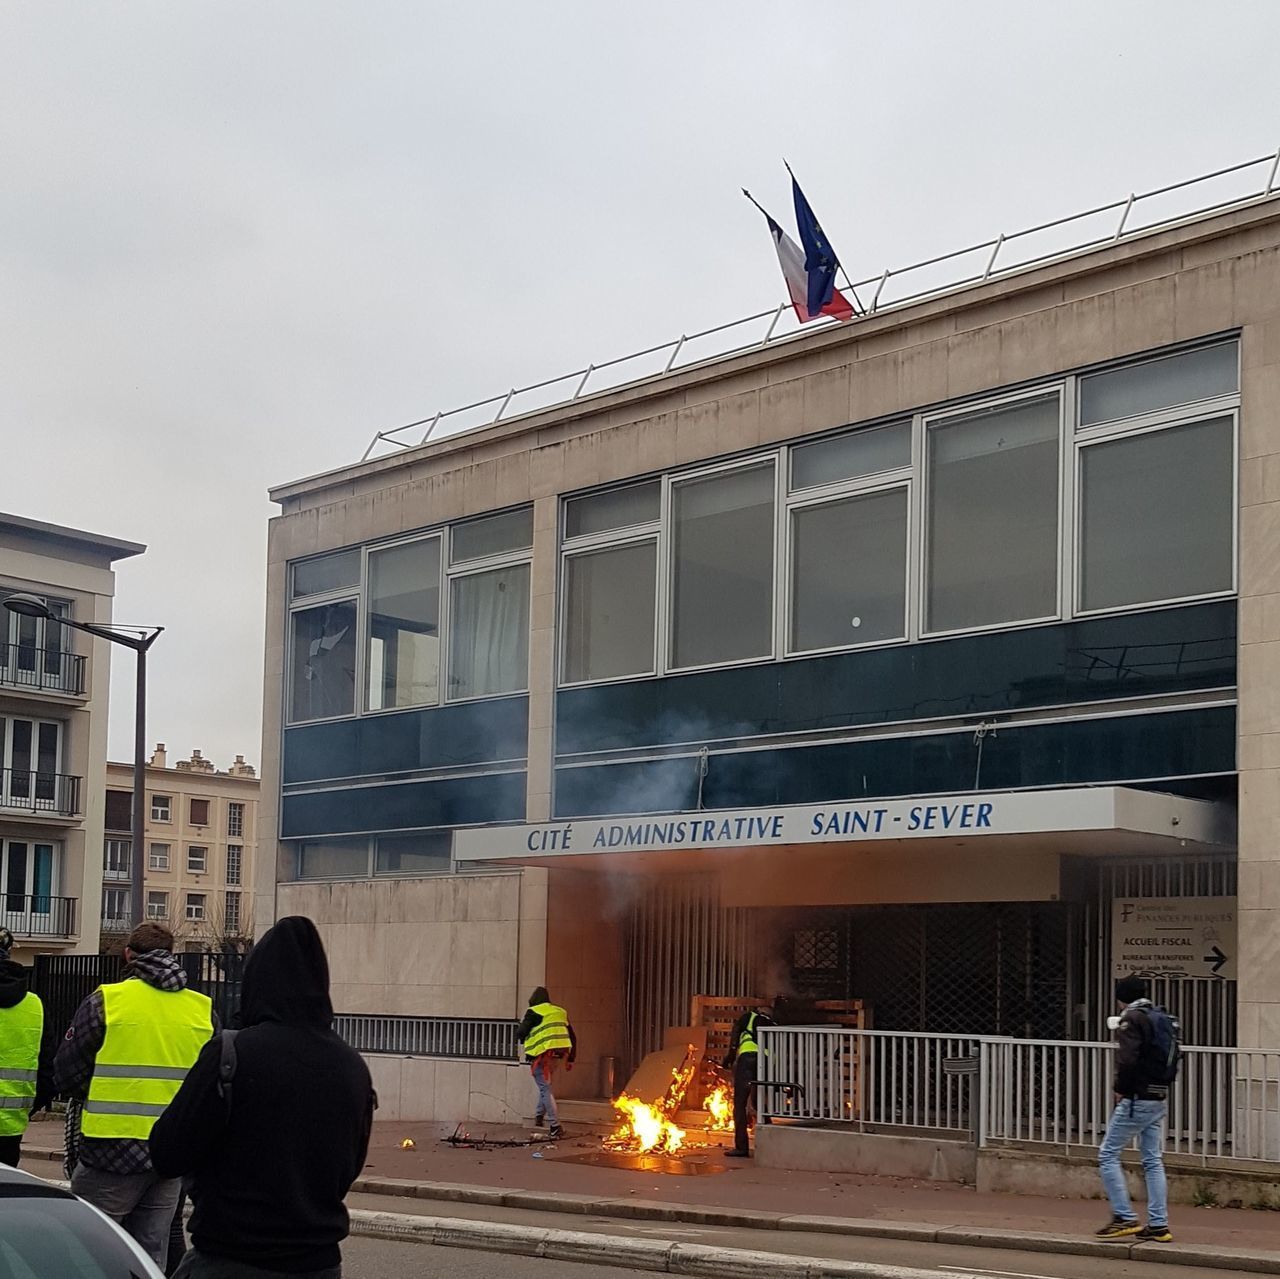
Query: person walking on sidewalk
point(744, 1059)
point(1147, 1056)
point(272, 1124)
point(548, 1038)
point(125, 1054)
point(25, 1067)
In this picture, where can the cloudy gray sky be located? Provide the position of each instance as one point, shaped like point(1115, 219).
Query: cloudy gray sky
point(237, 238)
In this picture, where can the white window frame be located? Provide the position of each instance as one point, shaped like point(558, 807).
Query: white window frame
point(238, 862)
point(163, 911)
point(203, 868)
point(236, 810)
point(112, 848)
point(196, 914)
point(6, 754)
point(1226, 406)
point(151, 857)
point(1041, 391)
point(168, 811)
point(228, 922)
point(115, 894)
point(440, 535)
point(348, 595)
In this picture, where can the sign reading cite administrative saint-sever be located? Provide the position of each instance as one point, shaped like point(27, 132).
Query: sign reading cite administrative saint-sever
point(946, 816)
point(1174, 936)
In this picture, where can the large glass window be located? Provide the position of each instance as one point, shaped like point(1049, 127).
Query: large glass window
point(844, 457)
point(424, 852)
point(993, 516)
point(1156, 515)
point(493, 535)
point(849, 571)
point(613, 509)
point(722, 567)
point(404, 625)
point(610, 596)
point(29, 762)
point(323, 681)
point(489, 633)
point(1185, 378)
point(332, 859)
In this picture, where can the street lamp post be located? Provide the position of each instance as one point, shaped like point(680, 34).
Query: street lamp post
point(140, 639)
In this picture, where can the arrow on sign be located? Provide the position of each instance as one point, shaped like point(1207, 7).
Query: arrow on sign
point(1217, 959)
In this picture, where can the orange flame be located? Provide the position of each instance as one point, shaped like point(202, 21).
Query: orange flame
point(719, 1107)
point(644, 1128)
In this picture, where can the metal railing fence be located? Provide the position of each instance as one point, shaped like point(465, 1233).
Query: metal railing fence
point(1136, 214)
point(998, 1091)
point(477, 1038)
point(46, 670)
point(37, 915)
point(28, 791)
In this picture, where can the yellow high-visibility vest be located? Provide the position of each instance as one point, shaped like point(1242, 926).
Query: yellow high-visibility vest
point(747, 1040)
point(153, 1038)
point(550, 1033)
point(20, 1030)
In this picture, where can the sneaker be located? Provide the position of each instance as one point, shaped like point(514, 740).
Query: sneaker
point(1154, 1234)
point(538, 1121)
point(1118, 1228)
point(555, 1132)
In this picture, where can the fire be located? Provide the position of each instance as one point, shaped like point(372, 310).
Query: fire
point(644, 1128)
point(719, 1107)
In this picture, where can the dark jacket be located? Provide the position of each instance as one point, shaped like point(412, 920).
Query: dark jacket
point(270, 1171)
point(13, 990)
point(1133, 1035)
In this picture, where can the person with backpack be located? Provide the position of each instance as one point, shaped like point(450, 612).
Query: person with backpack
point(1148, 1051)
point(272, 1124)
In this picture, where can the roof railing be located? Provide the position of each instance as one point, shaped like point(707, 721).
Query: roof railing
point(1139, 213)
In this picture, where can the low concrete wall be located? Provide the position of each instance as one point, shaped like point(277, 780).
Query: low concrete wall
point(780, 1145)
point(1071, 1175)
point(451, 1091)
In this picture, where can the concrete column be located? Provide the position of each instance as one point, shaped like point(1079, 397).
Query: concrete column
point(542, 657)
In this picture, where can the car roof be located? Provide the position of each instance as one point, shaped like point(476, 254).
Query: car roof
point(15, 1182)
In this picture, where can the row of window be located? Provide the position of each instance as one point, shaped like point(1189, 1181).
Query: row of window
point(198, 813)
point(118, 859)
point(1087, 494)
point(360, 856)
point(116, 907)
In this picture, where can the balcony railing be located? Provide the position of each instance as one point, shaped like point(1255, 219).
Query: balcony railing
point(44, 670)
point(37, 916)
point(23, 790)
point(116, 873)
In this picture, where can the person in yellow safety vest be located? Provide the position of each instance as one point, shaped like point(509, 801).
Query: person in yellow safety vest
point(25, 1081)
point(126, 1054)
point(744, 1057)
point(548, 1039)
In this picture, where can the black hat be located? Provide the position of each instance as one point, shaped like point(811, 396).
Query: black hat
point(1132, 987)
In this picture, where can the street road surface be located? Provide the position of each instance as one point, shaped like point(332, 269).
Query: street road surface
point(391, 1259)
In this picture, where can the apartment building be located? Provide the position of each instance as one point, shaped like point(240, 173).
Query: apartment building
point(201, 841)
point(53, 733)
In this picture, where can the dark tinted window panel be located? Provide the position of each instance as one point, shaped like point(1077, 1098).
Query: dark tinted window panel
point(1135, 654)
point(455, 801)
point(472, 733)
point(119, 810)
point(1077, 752)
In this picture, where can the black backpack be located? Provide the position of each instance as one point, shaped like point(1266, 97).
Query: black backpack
point(1161, 1045)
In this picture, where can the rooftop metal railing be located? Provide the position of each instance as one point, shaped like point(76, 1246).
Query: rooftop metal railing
point(1138, 213)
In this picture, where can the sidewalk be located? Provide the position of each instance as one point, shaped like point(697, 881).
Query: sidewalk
point(762, 1198)
point(758, 1197)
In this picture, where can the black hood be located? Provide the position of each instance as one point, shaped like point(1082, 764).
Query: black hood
point(286, 977)
point(13, 983)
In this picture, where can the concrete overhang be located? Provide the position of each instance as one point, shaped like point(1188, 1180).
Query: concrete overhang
point(1096, 821)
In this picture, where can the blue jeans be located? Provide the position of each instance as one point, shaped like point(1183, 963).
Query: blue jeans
point(546, 1102)
point(1145, 1121)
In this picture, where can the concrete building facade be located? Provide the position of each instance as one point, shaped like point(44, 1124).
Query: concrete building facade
point(53, 735)
point(878, 664)
point(202, 841)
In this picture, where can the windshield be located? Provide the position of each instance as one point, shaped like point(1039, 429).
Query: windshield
point(54, 1238)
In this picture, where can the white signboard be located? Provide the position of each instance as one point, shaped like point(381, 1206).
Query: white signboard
point(971, 816)
point(1174, 936)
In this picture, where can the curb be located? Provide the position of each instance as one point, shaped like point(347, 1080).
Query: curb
point(614, 1250)
point(1248, 1260)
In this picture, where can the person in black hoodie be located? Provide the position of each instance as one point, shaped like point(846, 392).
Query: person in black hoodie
point(20, 1033)
point(271, 1158)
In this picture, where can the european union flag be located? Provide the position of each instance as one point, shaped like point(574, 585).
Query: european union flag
point(820, 261)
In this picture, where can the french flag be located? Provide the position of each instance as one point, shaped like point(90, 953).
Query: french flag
point(810, 273)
